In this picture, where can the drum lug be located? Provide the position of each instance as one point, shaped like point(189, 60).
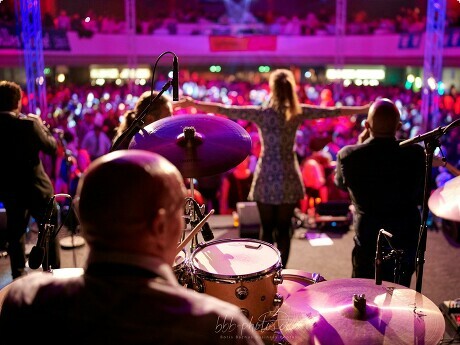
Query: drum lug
point(184, 279)
point(245, 312)
point(278, 278)
point(241, 292)
point(278, 300)
point(198, 284)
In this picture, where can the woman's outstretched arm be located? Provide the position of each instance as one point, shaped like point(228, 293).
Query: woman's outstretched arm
point(207, 107)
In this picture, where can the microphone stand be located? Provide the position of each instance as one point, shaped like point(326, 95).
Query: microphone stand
point(431, 140)
point(49, 229)
point(138, 122)
point(72, 241)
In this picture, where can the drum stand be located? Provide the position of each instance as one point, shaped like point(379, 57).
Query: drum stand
point(195, 213)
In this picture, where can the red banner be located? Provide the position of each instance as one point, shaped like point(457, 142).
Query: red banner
point(247, 43)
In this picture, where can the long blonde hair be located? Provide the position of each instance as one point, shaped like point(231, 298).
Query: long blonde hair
point(283, 93)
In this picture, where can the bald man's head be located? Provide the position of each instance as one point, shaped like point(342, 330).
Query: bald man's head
point(383, 119)
point(122, 192)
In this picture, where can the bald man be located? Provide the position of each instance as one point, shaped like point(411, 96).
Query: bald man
point(130, 206)
point(385, 183)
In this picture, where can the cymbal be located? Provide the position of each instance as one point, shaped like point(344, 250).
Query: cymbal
point(444, 202)
point(198, 145)
point(326, 313)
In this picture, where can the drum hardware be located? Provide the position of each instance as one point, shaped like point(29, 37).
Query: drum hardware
point(195, 213)
point(278, 278)
point(278, 300)
point(317, 278)
point(180, 268)
point(194, 232)
point(380, 257)
point(242, 292)
point(197, 284)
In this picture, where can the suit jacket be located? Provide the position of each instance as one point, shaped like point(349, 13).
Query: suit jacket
point(22, 138)
point(386, 184)
point(114, 303)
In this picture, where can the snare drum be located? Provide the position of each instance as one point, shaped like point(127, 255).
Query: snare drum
point(243, 272)
point(295, 280)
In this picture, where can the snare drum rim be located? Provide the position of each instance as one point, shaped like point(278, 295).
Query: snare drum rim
point(223, 278)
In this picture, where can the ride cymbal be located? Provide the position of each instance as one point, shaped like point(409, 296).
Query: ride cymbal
point(198, 145)
point(444, 202)
point(357, 311)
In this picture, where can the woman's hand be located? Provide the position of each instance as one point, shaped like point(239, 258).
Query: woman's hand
point(185, 102)
point(367, 107)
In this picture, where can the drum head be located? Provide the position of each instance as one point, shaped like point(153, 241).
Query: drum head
point(236, 258)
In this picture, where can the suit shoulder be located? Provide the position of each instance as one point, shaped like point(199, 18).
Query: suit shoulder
point(346, 150)
point(414, 148)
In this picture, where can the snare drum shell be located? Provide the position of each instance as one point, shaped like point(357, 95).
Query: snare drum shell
point(243, 272)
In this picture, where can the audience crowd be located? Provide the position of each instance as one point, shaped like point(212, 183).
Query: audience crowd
point(199, 21)
point(83, 113)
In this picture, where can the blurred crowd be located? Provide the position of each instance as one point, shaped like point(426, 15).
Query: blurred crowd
point(79, 114)
point(408, 20)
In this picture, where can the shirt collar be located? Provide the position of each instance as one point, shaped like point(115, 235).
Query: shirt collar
point(150, 263)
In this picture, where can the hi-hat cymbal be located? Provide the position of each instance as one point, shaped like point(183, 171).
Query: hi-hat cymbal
point(330, 313)
point(198, 145)
point(444, 202)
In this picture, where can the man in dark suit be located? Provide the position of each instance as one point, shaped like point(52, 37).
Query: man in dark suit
point(128, 293)
point(385, 183)
point(25, 188)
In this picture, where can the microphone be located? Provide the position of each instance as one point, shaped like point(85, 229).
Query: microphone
point(379, 257)
point(37, 252)
point(175, 79)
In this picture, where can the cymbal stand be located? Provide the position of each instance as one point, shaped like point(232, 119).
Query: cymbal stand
point(195, 213)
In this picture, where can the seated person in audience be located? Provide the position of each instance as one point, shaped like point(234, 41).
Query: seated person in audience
point(314, 178)
point(128, 293)
point(314, 175)
point(235, 187)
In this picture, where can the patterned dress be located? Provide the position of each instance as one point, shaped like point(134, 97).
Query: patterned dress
point(277, 178)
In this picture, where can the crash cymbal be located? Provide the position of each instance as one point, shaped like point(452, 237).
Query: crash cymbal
point(198, 145)
point(444, 202)
point(329, 313)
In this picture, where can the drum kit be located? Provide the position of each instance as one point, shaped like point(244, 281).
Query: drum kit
point(286, 306)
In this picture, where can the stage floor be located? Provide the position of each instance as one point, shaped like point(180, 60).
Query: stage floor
point(325, 253)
